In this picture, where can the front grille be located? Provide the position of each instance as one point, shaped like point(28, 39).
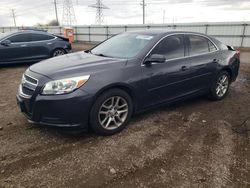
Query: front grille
point(30, 79)
point(27, 91)
point(29, 85)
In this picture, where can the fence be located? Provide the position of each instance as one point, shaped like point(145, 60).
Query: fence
point(235, 33)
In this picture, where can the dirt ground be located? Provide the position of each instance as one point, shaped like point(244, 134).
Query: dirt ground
point(197, 143)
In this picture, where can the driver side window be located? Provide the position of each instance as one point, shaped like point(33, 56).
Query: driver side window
point(171, 47)
point(20, 38)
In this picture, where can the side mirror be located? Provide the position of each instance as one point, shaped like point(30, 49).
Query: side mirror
point(6, 42)
point(155, 58)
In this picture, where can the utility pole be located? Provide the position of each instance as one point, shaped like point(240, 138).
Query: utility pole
point(55, 3)
point(14, 16)
point(99, 7)
point(143, 11)
point(163, 19)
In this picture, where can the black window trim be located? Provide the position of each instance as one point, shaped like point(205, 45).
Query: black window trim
point(43, 40)
point(184, 43)
point(201, 36)
point(6, 38)
point(186, 55)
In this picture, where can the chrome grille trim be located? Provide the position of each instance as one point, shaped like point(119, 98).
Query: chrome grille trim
point(23, 94)
point(24, 79)
point(28, 82)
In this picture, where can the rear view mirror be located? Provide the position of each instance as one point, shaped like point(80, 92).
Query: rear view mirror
point(6, 42)
point(155, 58)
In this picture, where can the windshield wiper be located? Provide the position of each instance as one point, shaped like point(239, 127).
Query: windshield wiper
point(102, 55)
point(88, 51)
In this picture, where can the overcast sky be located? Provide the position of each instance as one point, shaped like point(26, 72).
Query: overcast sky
point(31, 12)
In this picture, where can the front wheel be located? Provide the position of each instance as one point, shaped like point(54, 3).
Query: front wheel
point(220, 86)
point(111, 112)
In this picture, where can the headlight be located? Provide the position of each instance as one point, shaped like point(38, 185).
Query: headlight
point(64, 86)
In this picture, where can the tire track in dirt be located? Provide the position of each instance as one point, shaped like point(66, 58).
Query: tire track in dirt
point(178, 168)
point(240, 167)
point(37, 156)
point(100, 155)
point(148, 174)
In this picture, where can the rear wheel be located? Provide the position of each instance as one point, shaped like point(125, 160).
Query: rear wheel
point(58, 52)
point(220, 86)
point(111, 112)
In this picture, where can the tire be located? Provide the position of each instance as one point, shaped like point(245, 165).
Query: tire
point(108, 117)
point(58, 52)
point(219, 89)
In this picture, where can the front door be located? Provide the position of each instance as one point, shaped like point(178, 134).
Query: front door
point(166, 81)
point(18, 50)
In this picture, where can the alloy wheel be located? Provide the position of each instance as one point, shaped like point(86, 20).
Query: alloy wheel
point(222, 85)
point(113, 112)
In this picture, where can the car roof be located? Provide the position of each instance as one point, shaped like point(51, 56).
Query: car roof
point(32, 31)
point(161, 32)
point(27, 31)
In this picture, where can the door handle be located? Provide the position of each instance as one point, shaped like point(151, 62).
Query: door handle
point(23, 45)
point(184, 68)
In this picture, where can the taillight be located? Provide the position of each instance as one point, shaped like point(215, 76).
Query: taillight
point(238, 53)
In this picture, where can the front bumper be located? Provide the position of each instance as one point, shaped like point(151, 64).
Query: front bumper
point(68, 110)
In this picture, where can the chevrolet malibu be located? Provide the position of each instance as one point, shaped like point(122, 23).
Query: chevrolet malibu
point(129, 73)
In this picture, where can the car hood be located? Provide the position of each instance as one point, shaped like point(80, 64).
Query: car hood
point(79, 63)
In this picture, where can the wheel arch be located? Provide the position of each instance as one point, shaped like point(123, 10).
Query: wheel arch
point(125, 87)
point(229, 71)
point(57, 48)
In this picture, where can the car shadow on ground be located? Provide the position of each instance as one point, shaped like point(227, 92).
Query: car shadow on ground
point(83, 134)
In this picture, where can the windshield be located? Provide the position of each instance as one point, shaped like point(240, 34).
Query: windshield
point(3, 35)
point(126, 45)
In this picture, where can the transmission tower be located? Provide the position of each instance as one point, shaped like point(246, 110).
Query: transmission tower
point(68, 17)
point(99, 7)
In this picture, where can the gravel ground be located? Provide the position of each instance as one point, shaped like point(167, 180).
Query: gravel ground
point(197, 143)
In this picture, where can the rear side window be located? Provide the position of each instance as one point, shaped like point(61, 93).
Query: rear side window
point(198, 45)
point(171, 47)
point(40, 37)
point(25, 37)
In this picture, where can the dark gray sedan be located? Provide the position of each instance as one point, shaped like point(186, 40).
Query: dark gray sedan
point(129, 73)
point(31, 46)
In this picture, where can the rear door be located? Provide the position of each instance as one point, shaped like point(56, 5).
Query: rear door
point(203, 58)
point(169, 80)
point(17, 50)
point(41, 45)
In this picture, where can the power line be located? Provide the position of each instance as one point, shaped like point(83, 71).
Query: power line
point(34, 8)
point(99, 7)
point(68, 17)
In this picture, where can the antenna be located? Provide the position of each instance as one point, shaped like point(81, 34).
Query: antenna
point(99, 7)
point(68, 17)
